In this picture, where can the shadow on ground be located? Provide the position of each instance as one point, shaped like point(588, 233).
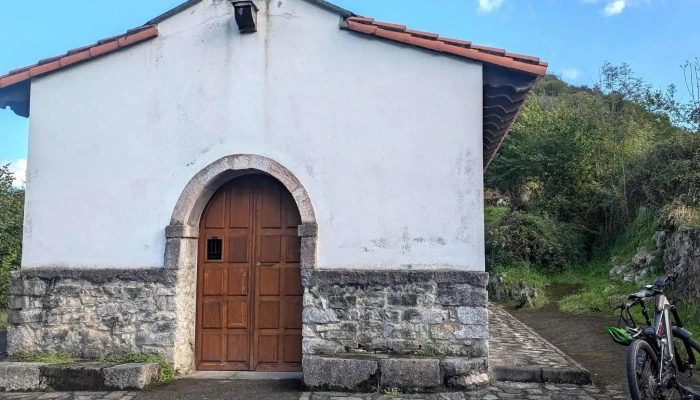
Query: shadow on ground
point(3, 344)
point(230, 389)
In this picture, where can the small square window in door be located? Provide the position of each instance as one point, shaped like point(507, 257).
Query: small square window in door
point(215, 248)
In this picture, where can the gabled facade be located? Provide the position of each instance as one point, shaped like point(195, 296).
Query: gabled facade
point(277, 200)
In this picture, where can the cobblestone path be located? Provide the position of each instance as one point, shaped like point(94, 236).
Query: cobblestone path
point(498, 391)
point(71, 395)
point(512, 343)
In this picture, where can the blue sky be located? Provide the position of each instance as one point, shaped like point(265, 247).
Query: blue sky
point(575, 36)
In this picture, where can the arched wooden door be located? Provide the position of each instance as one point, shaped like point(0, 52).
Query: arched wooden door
point(249, 293)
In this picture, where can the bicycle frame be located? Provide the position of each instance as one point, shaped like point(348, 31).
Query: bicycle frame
point(663, 331)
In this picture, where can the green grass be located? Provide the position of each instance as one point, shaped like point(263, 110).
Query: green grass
point(599, 293)
point(3, 319)
point(514, 274)
point(44, 357)
point(492, 214)
point(167, 372)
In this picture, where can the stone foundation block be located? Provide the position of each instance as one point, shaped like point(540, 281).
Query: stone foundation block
point(411, 375)
point(465, 366)
point(134, 376)
point(338, 374)
point(468, 382)
point(75, 377)
point(21, 376)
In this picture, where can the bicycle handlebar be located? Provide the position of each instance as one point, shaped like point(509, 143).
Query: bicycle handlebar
point(676, 272)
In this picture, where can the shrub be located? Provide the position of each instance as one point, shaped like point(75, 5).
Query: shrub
point(11, 219)
point(536, 239)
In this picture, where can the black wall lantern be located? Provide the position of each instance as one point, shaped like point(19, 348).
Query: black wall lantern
point(246, 15)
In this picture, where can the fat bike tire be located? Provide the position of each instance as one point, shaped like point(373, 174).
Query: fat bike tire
point(642, 370)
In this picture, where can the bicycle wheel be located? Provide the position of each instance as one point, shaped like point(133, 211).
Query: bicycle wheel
point(642, 371)
point(686, 378)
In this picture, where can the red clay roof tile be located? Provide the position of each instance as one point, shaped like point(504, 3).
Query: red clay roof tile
point(433, 41)
point(393, 27)
point(457, 42)
point(81, 54)
point(425, 35)
point(44, 68)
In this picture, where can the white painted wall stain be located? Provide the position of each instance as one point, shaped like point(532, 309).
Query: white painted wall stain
point(386, 139)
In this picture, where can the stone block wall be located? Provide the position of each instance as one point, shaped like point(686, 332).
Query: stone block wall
point(397, 312)
point(90, 312)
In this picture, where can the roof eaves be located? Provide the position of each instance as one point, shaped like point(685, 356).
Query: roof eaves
point(175, 10)
point(333, 8)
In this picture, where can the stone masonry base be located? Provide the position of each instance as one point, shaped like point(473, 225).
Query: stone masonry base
point(414, 330)
point(91, 312)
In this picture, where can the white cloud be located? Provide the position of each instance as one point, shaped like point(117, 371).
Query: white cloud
point(570, 74)
point(19, 169)
point(486, 6)
point(614, 8)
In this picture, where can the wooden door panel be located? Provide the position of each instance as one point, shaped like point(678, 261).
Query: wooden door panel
point(292, 281)
point(292, 348)
point(238, 281)
point(268, 314)
point(249, 296)
point(238, 249)
point(292, 249)
point(215, 213)
point(270, 248)
point(291, 213)
point(270, 206)
point(213, 281)
point(268, 348)
point(240, 207)
point(238, 348)
point(292, 314)
point(237, 313)
point(211, 314)
point(269, 281)
point(211, 346)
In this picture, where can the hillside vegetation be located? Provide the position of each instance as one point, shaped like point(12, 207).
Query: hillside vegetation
point(585, 178)
point(11, 219)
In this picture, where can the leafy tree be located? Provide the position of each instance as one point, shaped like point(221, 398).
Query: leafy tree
point(11, 218)
point(585, 160)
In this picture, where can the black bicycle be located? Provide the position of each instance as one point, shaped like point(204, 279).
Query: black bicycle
point(655, 366)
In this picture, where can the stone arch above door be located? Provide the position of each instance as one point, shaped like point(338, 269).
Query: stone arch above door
point(184, 222)
point(189, 207)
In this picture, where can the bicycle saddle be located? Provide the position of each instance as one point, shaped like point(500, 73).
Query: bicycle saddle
point(642, 294)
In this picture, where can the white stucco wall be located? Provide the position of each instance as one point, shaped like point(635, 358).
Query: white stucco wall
point(385, 138)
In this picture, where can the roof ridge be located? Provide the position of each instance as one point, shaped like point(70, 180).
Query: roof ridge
point(433, 41)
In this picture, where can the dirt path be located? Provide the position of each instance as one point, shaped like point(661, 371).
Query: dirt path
point(582, 337)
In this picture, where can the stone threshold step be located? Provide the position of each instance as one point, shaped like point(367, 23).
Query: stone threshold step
point(244, 375)
point(80, 376)
point(537, 374)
